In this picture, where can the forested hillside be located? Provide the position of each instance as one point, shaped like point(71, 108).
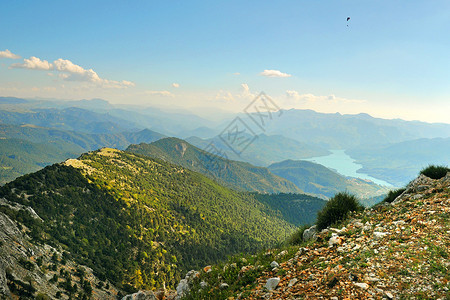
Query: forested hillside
point(317, 179)
point(129, 217)
point(235, 174)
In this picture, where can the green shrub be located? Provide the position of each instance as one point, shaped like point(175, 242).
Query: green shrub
point(435, 172)
point(41, 296)
point(337, 209)
point(26, 264)
point(392, 195)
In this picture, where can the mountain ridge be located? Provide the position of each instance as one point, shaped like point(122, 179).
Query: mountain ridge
point(235, 174)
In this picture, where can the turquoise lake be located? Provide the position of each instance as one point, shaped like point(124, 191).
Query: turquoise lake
point(339, 161)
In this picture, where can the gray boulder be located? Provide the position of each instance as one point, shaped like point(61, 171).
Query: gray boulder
point(310, 233)
point(274, 264)
point(141, 295)
point(272, 283)
point(182, 288)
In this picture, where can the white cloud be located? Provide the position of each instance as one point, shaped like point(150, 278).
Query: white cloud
point(225, 96)
point(237, 73)
point(33, 63)
point(245, 88)
point(71, 72)
point(310, 98)
point(292, 94)
point(176, 85)
point(65, 65)
point(274, 73)
point(160, 93)
point(8, 54)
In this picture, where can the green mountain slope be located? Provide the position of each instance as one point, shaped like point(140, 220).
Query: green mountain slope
point(298, 209)
point(265, 149)
point(317, 179)
point(18, 157)
point(140, 221)
point(238, 175)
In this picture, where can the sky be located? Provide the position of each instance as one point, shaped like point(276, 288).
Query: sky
point(390, 59)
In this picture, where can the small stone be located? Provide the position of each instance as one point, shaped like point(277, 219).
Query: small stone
point(388, 295)
point(379, 235)
point(292, 282)
point(334, 298)
point(223, 285)
point(417, 196)
point(274, 264)
point(141, 295)
point(272, 283)
point(372, 279)
point(334, 240)
point(207, 269)
point(362, 285)
point(358, 224)
point(341, 249)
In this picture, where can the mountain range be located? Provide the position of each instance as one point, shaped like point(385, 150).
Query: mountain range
point(80, 217)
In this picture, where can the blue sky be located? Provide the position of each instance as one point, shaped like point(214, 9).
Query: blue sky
point(392, 60)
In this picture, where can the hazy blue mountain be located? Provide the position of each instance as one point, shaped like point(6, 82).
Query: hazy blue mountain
point(235, 174)
point(336, 131)
point(401, 162)
point(168, 123)
point(316, 179)
point(28, 148)
point(12, 100)
point(265, 149)
point(75, 119)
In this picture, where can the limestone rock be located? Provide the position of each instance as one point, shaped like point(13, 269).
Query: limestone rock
point(379, 235)
point(274, 264)
point(182, 288)
point(293, 281)
point(272, 283)
point(141, 295)
point(310, 233)
point(223, 286)
point(362, 285)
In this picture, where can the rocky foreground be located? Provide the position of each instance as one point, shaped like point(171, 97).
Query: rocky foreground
point(391, 251)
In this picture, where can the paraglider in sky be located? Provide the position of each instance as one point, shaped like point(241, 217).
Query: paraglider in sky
point(348, 18)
